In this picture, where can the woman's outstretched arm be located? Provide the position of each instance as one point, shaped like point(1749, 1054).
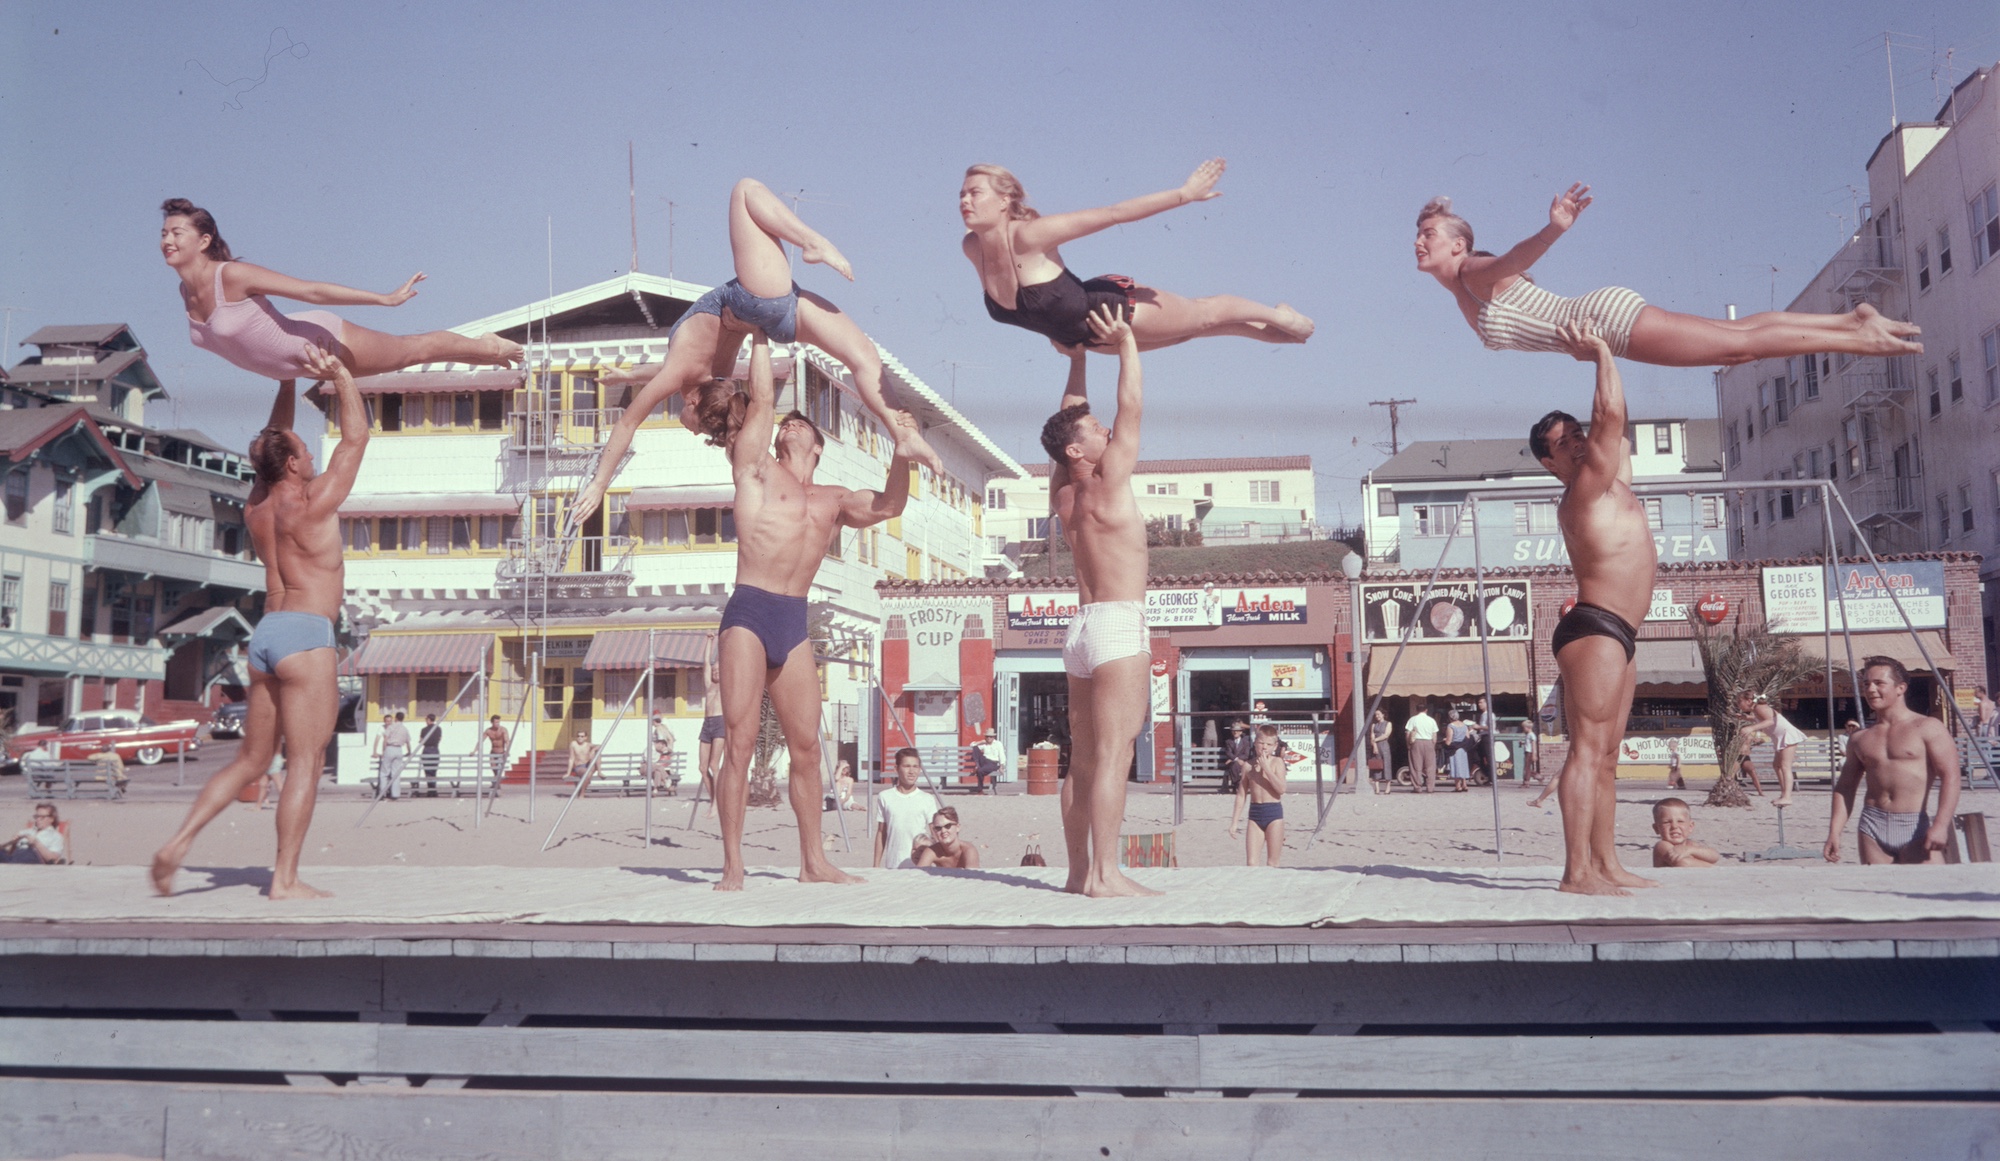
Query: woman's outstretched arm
point(1055, 229)
point(1563, 212)
point(243, 279)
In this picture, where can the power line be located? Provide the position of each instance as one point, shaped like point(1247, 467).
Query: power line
point(1394, 406)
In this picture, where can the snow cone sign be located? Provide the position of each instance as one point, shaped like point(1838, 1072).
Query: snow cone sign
point(1711, 608)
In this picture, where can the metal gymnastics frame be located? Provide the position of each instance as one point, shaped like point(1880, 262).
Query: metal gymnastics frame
point(1827, 491)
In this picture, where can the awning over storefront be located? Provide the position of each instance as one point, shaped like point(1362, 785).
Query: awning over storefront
point(430, 504)
point(424, 653)
point(1897, 645)
point(223, 621)
point(1451, 670)
point(400, 382)
point(683, 496)
point(626, 649)
point(1670, 662)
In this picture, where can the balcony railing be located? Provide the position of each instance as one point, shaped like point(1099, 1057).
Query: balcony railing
point(584, 556)
point(561, 432)
point(108, 550)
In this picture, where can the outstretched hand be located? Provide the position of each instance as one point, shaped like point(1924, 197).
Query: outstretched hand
point(1568, 206)
point(406, 292)
point(1200, 185)
point(1108, 326)
point(321, 365)
point(1583, 342)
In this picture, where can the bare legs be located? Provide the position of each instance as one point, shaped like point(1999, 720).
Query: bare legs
point(758, 221)
point(299, 703)
point(1270, 838)
point(795, 698)
point(376, 353)
point(698, 351)
point(1106, 711)
point(1161, 318)
point(1598, 681)
point(1783, 765)
point(710, 754)
point(1668, 338)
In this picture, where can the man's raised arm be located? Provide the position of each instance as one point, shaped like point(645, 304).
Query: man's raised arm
point(753, 442)
point(1122, 454)
point(344, 465)
point(1608, 459)
point(284, 406)
point(859, 509)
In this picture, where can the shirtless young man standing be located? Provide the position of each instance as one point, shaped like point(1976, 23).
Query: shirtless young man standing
point(783, 524)
point(293, 516)
point(1611, 549)
point(1898, 757)
point(1108, 655)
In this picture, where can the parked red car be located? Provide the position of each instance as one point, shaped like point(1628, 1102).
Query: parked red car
point(137, 738)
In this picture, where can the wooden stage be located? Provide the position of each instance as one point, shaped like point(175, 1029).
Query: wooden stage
point(1495, 1018)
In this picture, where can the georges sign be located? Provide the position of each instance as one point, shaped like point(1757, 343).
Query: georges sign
point(1210, 605)
point(1797, 598)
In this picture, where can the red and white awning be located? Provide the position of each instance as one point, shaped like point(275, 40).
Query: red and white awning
point(626, 649)
point(683, 496)
point(424, 653)
point(430, 504)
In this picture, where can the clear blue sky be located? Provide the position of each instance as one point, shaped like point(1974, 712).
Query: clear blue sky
point(361, 142)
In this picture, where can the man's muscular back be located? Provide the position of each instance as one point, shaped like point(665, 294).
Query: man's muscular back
point(304, 547)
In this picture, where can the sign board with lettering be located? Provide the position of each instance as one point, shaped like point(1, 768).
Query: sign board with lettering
point(1446, 611)
point(935, 628)
point(1798, 599)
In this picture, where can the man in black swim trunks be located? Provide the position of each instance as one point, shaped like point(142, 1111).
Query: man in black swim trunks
point(783, 524)
point(1612, 552)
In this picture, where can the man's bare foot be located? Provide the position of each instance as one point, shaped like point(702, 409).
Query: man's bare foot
point(165, 864)
point(732, 880)
point(1293, 323)
point(502, 352)
point(1114, 886)
point(1618, 875)
point(825, 872)
point(297, 890)
point(1590, 885)
point(826, 254)
point(1886, 336)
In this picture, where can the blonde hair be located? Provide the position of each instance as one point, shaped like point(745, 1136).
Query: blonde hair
point(1008, 186)
point(1440, 208)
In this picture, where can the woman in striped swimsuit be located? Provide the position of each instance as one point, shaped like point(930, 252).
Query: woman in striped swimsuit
point(1510, 313)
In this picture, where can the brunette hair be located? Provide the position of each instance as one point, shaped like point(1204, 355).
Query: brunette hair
point(719, 409)
point(201, 220)
point(1538, 435)
point(271, 454)
point(1666, 804)
point(819, 437)
point(1060, 431)
point(908, 752)
point(950, 812)
point(1008, 186)
point(1895, 668)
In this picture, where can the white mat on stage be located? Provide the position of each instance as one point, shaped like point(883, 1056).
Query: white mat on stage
point(1003, 898)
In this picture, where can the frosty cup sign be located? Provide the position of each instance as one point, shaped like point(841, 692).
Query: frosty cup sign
point(1711, 608)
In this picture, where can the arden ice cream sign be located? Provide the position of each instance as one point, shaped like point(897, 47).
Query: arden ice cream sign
point(1797, 600)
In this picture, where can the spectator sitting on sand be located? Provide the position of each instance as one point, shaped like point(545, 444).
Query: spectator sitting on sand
point(946, 848)
point(1677, 848)
point(41, 841)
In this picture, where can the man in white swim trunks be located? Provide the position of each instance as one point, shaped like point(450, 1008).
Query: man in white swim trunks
point(293, 516)
point(1108, 655)
point(1897, 758)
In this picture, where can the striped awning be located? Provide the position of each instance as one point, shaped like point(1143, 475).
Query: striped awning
point(1898, 645)
point(430, 504)
point(1450, 670)
point(424, 653)
point(683, 496)
point(398, 382)
point(626, 649)
point(1670, 661)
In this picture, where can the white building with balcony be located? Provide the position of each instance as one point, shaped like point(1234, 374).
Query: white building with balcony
point(1913, 442)
point(461, 577)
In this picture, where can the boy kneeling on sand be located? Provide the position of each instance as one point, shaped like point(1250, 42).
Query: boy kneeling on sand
point(1677, 848)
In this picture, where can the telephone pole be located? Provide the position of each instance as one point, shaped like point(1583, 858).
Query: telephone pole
point(1394, 405)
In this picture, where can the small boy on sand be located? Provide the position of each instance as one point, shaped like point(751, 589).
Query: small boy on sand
point(1264, 786)
point(1677, 848)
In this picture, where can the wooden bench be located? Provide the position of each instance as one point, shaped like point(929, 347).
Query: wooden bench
point(1973, 765)
point(626, 773)
point(460, 773)
point(71, 776)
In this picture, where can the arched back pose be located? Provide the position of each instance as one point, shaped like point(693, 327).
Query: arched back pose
point(705, 342)
point(1510, 313)
point(228, 313)
point(1771, 726)
point(1021, 269)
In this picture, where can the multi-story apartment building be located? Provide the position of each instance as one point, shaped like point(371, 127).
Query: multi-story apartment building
point(1411, 504)
point(459, 569)
point(126, 575)
point(1912, 442)
point(1248, 500)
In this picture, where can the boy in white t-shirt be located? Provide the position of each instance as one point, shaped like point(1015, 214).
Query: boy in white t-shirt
point(902, 813)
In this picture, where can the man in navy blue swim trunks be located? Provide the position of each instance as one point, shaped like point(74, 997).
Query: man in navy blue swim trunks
point(783, 524)
point(293, 515)
point(1611, 549)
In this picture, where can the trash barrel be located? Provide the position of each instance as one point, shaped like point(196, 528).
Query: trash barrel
point(1042, 770)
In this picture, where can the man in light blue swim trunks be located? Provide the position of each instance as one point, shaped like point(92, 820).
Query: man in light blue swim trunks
point(293, 515)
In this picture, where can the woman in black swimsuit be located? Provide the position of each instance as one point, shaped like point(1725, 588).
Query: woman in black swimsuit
point(1015, 250)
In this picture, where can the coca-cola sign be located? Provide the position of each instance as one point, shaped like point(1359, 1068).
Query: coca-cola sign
point(1711, 607)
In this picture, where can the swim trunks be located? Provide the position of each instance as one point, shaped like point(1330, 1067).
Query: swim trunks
point(1057, 308)
point(711, 728)
point(1591, 621)
point(279, 635)
point(1105, 632)
point(777, 317)
point(252, 334)
point(779, 621)
point(1893, 832)
point(1524, 317)
point(1266, 813)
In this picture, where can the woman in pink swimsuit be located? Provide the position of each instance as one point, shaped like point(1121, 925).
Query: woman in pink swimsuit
point(229, 315)
point(1510, 313)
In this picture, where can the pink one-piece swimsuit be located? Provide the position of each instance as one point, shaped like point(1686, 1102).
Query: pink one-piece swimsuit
point(253, 335)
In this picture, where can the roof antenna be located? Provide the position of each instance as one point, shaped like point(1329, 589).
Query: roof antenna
point(632, 201)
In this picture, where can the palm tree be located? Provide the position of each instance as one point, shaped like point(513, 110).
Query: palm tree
point(1738, 660)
